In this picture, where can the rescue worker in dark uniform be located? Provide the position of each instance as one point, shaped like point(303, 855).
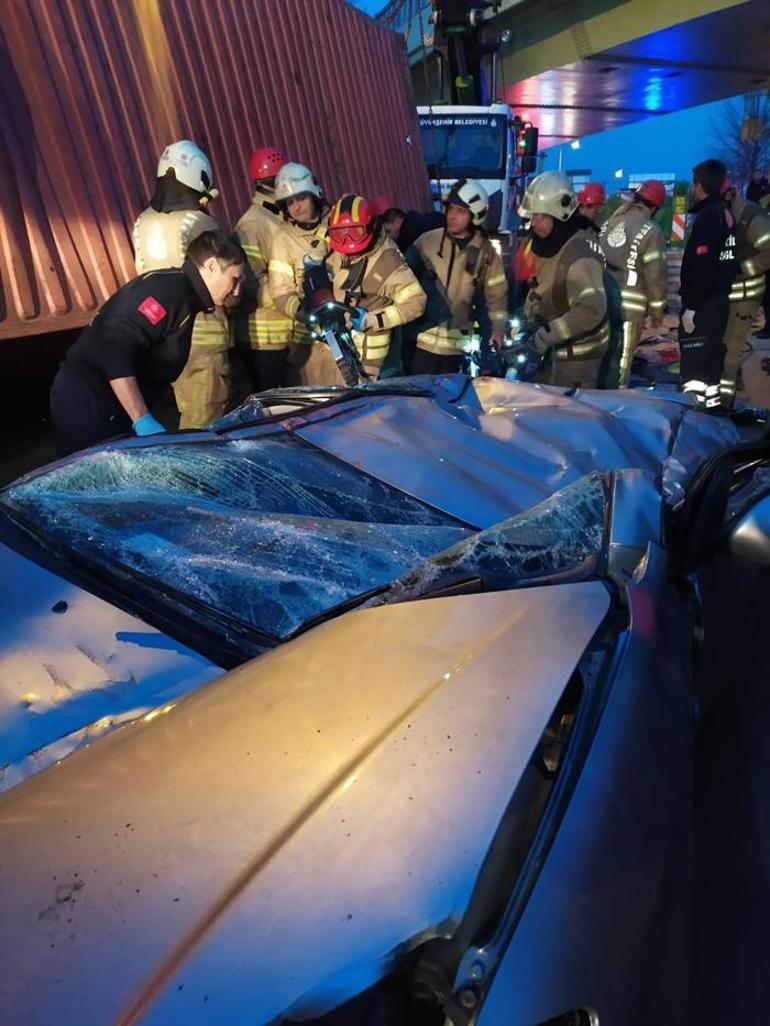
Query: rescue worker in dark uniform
point(752, 251)
point(463, 277)
point(138, 344)
point(637, 277)
point(405, 227)
point(757, 188)
point(566, 297)
point(708, 270)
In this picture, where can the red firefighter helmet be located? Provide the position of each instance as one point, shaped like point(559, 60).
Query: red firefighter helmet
point(653, 192)
point(380, 205)
point(592, 195)
point(351, 224)
point(266, 162)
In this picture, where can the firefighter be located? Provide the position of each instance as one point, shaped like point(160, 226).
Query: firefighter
point(463, 277)
point(634, 249)
point(259, 327)
point(369, 273)
point(752, 252)
point(138, 343)
point(566, 299)
point(761, 195)
point(302, 237)
point(591, 200)
point(708, 269)
point(176, 215)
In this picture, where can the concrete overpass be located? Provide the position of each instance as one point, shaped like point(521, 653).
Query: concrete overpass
point(574, 68)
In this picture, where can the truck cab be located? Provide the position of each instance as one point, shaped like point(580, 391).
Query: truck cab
point(472, 142)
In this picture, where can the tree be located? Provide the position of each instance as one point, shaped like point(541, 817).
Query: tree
point(742, 134)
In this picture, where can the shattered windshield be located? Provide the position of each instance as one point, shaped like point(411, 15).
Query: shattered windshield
point(273, 533)
point(270, 533)
point(564, 533)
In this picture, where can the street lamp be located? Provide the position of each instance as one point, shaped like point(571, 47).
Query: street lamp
point(574, 145)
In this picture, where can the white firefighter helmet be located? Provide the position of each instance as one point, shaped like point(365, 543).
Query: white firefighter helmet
point(472, 195)
point(550, 193)
point(293, 180)
point(190, 165)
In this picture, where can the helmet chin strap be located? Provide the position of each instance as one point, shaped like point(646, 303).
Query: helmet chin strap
point(207, 197)
point(304, 225)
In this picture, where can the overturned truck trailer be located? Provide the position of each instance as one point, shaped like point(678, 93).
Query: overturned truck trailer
point(91, 92)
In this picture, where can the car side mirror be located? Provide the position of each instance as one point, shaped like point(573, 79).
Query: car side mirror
point(749, 537)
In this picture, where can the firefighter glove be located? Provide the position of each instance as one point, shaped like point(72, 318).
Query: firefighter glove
point(357, 318)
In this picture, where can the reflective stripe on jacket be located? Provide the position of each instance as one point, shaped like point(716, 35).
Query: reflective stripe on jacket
point(286, 268)
point(569, 296)
point(457, 278)
point(383, 283)
point(160, 241)
point(635, 250)
point(260, 324)
point(752, 249)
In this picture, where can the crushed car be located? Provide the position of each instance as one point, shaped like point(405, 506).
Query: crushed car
point(410, 738)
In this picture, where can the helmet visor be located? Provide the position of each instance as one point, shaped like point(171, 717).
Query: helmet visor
point(348, 233)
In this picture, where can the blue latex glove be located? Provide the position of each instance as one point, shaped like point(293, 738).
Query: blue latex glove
point(357, 318)
point(148, 425)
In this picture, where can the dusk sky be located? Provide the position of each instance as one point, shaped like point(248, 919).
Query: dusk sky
point(671, 144)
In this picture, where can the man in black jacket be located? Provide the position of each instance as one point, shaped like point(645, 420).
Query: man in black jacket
point(138, 344)
point(757, 187)
point(405, 227)
point(708, 270)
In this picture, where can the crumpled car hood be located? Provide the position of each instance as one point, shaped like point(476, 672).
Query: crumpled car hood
point(270, 842)
point(73, 667)
point(526, 441)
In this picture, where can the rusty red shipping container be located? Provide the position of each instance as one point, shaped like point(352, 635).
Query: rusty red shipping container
point(92, 90)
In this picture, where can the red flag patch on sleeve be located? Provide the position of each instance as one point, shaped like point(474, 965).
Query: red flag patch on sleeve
point(152, 310)
point(701, 250)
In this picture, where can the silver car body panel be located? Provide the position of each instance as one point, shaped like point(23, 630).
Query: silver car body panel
point(622, 853)
point(526, 442)
point(749, 535)
point(73, 667)
point(274, 840)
